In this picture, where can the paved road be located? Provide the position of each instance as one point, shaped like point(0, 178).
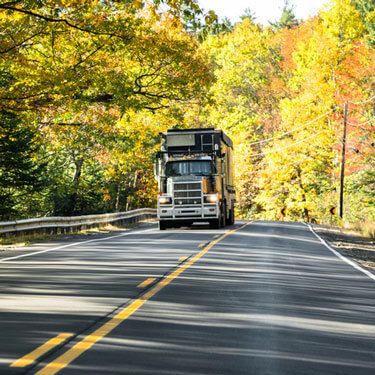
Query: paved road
point(262, 298)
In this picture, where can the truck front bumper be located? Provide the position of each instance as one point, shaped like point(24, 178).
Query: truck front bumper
point(188, 213)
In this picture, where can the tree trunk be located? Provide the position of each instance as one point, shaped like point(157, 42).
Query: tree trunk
point(76, 179)
point(305, 213)
point(117, 203)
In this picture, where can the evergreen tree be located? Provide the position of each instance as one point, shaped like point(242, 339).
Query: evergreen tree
point(248, 14)
point(20, 173)
point(288, 19)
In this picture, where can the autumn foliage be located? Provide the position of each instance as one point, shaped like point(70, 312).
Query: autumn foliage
point(86, 86)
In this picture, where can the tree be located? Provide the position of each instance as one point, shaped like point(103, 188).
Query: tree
point(243, 103)
point(92, 83)
point(74, 72)
point(287, 19)
point(119, 55)
point(21, 174)
point(366, 9)
point(301, 169)
point(248, 14)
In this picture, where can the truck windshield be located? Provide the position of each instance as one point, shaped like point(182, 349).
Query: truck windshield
point(189, 167)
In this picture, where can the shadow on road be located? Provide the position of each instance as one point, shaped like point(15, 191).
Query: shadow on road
point(269, 299)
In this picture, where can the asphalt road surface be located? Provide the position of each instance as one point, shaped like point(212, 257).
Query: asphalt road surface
point(254, 298)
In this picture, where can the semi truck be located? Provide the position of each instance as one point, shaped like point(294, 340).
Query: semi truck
point(194, 170)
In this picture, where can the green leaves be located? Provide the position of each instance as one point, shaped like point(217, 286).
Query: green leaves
point(287, 20)
point(88, 85)
point(21, 173)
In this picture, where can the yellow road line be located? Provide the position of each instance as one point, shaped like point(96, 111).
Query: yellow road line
point(147, 282)
point(87, 342)
point(30, 358)
point(182, 259)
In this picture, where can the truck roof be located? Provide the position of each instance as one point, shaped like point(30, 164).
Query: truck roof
point(224, 137)
point(192, 130)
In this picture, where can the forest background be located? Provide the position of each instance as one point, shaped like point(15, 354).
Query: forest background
point(87, 85)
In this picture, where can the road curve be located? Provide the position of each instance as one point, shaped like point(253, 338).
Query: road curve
point(255, 298)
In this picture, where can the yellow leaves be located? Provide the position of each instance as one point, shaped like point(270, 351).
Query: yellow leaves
point(74, 3)
point(370, 18)
point(137, 4)
point(106, 195)
point(342, 22)
point(262, 83)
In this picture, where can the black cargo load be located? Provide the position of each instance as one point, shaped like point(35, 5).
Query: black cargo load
point(206, 140)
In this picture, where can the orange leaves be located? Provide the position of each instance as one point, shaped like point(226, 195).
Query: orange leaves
point(289, 39)
point(355, 72)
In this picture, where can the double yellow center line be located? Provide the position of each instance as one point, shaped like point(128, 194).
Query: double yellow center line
point(87, 342)
point(30, 358)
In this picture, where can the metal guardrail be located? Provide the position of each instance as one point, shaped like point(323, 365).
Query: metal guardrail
point(73, 223)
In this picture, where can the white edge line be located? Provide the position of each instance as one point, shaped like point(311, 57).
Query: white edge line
point(346, 260)
point(73, 244)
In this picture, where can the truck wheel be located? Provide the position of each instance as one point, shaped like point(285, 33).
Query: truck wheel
point(215, 224)
point(231, 217)
point(163, 225)
point(223, 216)
point(224, 221)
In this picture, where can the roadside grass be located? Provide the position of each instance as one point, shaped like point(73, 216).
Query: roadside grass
point(25, 239)
point(13, 241)
point(365, 228)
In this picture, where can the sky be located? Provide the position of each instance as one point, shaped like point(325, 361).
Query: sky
point(265, 10)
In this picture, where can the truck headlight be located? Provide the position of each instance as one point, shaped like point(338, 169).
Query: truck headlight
point(165, 200)
point(211, 198)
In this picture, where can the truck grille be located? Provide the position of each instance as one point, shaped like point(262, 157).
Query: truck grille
point(179, 186)
point(187, 193)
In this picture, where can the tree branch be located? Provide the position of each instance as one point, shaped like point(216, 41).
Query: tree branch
point(6, 6)
point(20, 43)
point(24, 97)
point(61, 123)
point(82, 60)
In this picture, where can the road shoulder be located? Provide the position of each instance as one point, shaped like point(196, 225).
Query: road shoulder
point(7, 251)
point(357, 248)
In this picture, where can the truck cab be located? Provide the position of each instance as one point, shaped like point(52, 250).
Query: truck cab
point(195, 178)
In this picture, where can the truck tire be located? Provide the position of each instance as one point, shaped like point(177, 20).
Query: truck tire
point(231, 217)
point(163, 225)
point(215, 224)
point(224, 221)
point(219, 222)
